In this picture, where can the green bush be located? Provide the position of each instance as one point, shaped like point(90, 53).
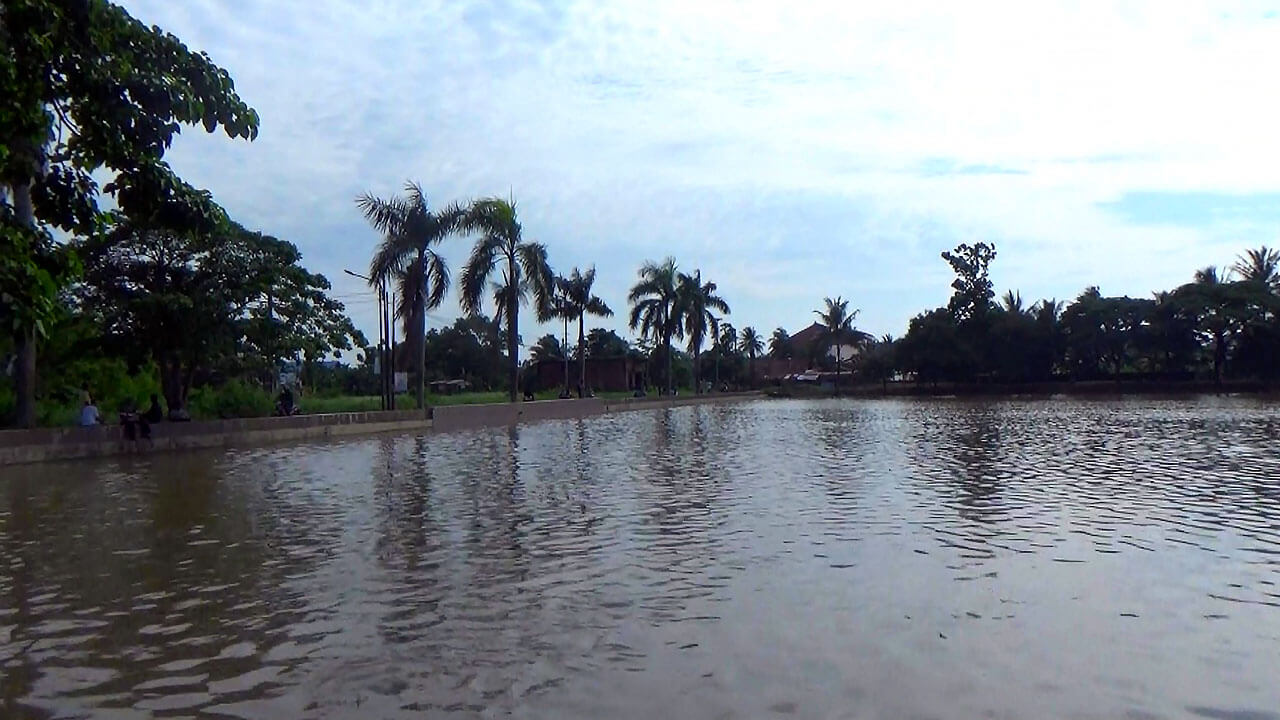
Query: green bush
point(233, 399)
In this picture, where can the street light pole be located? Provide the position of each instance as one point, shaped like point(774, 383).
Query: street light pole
point(381, 291)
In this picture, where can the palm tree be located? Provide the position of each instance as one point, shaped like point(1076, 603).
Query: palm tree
point(655, 309)
point(697, 300)
point(1012, 302)
point(407, 254)
point(837, 329)
point(524, 272)
point(726, 340)
point(547, 348)
point(563, 310)
point(580, 302)
point(1260, 266)
point(750, 343)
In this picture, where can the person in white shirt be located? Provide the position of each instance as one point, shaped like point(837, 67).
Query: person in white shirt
point(89, 415)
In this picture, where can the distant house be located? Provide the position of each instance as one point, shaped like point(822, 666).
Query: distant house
point(806, 348)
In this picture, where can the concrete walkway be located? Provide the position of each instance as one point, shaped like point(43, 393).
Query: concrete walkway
point(46, 444)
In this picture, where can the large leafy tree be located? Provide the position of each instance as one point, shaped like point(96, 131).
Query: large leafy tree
point(699, 304)
point(520, 266)
point(186, 300)
point(973, 291)
point(408, 254)
point(656, 310)
point(84, 86)
point(836, 320)
point(577, 294)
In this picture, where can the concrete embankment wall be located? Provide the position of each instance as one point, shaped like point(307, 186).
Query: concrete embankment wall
point(29, 446)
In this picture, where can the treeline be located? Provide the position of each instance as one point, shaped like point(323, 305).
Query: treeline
point(1222, 324)
point(163, 292)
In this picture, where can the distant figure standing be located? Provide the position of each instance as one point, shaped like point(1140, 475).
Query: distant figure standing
point(89, 415)
point(86, 398)
point(134, 424)
point(154, 414)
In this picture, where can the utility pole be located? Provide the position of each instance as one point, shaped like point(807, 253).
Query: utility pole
point(381, 359)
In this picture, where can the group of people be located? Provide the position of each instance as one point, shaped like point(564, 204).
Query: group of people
point(136, 424)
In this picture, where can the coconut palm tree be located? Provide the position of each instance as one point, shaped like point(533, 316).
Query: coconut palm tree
point(580, 303)
point(522, 266)
point(749, 342)
point(411, 231)
point(655, 308)
point(562, 310)
point(726, 341)
point(697, 300)
point(1260, 266)
point(837, 329)
point(1012, 302)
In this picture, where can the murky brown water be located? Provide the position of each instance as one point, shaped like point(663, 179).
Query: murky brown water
point(917, 559)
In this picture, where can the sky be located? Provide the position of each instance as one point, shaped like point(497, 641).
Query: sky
point(791, 151)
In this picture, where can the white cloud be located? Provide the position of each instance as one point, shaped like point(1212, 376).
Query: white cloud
point(776, 145)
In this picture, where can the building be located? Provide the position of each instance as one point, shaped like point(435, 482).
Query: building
point(805, 345)
point(612, 374)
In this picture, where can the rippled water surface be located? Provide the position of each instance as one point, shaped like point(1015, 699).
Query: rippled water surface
point(862, 559)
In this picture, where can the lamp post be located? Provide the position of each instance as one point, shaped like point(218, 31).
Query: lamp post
point(387, 378)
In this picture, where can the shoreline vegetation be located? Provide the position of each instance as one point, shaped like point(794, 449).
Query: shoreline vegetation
point(165, 294)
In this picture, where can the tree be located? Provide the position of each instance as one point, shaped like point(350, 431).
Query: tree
point(84, 86)
point(749, 342)
point(577, 293)
point(837, 329)
point(187, 300)
point(547, 348)
point(780, 346)
point(726, 344)
point(1260, 266)
point(525, 274)
point(655, 308)
point(410, 233)
point(973, 293)
point(698, 300)
point(603, 343)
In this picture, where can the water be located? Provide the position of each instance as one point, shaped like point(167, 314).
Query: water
point(882, 559)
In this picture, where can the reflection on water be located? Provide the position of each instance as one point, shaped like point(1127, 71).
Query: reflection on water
point(928, 559)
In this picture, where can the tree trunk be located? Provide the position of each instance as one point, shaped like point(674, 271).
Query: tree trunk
point(24, 378)
point(513, 322)
point(582, 358)
point(24, 375)
point(171, 385)
point(564, 351)
point(671, 381)
point(837, 370)
point(420, 332)
point(697, 369)
point(717, 380)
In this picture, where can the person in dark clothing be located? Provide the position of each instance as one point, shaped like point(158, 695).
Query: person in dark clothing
point(284, 403)
point(153, 414)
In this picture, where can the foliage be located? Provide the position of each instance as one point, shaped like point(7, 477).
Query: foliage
point(522, 266)
point(655, 310)
point(233, 399)
point(83, 87)
point(697, 303)
point(184, 300)
point(407, 256)
point(606, 343)
point(972, 286)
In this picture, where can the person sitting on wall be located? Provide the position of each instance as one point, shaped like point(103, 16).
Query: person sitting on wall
point(89, 415)
point(284, 403)
point(153, 414)
point(134, 423)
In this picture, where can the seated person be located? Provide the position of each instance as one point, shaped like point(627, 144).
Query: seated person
point(89, 415)
point(153, 414)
